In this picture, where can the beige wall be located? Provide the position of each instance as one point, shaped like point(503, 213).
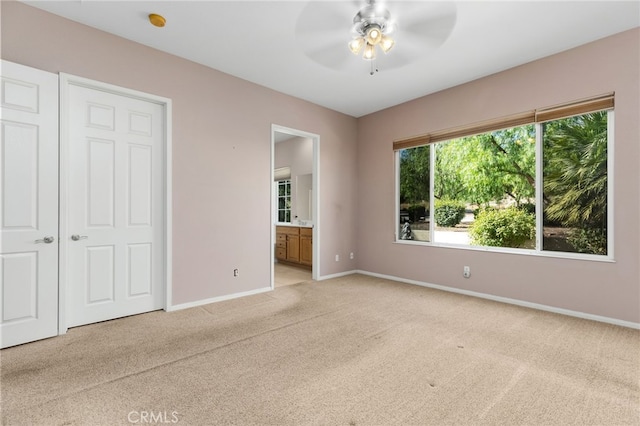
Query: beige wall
point(297, 153)
point(221, 150)
point(598, 288)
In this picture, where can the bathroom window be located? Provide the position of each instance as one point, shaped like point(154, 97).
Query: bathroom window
point(284, 200)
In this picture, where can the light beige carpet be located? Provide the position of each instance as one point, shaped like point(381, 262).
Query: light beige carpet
point(349, 351)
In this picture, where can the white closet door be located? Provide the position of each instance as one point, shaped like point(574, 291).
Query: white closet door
point(115, 221)
point(29, 205)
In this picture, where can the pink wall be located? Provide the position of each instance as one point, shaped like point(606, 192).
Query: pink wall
point(221, 150)
point(297, 153)
point(221, 158)
point(610, 289)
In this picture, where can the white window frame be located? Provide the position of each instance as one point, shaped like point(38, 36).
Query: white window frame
point(537, 251)
point(278, 197)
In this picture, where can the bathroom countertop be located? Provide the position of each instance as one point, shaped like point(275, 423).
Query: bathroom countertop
point(296, 225)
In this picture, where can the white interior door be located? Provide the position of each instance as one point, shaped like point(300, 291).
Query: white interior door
point(114, 236)
point(29, 205)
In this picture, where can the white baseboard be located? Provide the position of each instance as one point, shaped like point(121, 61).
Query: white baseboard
point(525, 304)
point(217, 299)
point(338, 275)
point(510, 301)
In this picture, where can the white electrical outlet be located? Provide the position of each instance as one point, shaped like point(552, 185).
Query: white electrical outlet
point(235, 273)
point(351, 256)
point(337, 258)
point(466, 272)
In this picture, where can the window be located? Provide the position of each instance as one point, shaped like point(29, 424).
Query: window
point(536, 181)
point(284, 200)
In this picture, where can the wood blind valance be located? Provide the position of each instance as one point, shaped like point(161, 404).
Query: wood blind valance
point(584, 106)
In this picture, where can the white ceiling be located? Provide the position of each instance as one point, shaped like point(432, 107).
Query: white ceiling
point(277, 43)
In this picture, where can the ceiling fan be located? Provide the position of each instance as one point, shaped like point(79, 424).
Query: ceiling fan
point(390, 34)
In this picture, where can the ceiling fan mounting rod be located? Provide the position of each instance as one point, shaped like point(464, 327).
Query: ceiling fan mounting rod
point(369, 16)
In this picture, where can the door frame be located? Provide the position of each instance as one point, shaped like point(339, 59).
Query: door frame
point(315, 203)
point(67, 80)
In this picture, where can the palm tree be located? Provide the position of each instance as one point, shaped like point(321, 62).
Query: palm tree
point(575, 171)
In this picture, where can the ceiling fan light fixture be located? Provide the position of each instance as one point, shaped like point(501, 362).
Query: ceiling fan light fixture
point(369, 52)
point(356, 45)
point(386, 43)
point(371, 27)
point(374, 34)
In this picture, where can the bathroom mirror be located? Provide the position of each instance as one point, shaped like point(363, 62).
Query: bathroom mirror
point(304, 196)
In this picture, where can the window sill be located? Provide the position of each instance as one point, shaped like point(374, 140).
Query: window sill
point(508, 250)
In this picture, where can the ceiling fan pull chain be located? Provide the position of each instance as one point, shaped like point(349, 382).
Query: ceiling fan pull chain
point(374, 67)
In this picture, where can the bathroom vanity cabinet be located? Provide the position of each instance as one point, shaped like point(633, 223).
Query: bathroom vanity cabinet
point(294, 244)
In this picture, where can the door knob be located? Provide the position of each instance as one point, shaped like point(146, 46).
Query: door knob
point(46, 240)
point(76, 237)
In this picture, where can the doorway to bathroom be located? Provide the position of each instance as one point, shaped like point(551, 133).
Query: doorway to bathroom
point(295, 238)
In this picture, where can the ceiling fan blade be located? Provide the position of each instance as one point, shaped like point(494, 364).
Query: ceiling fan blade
point(333, 56)
point(431, 36)
point(325, 17)
point(323, 31)
point(395, 60)
point(429, 23)
point(411, 12)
